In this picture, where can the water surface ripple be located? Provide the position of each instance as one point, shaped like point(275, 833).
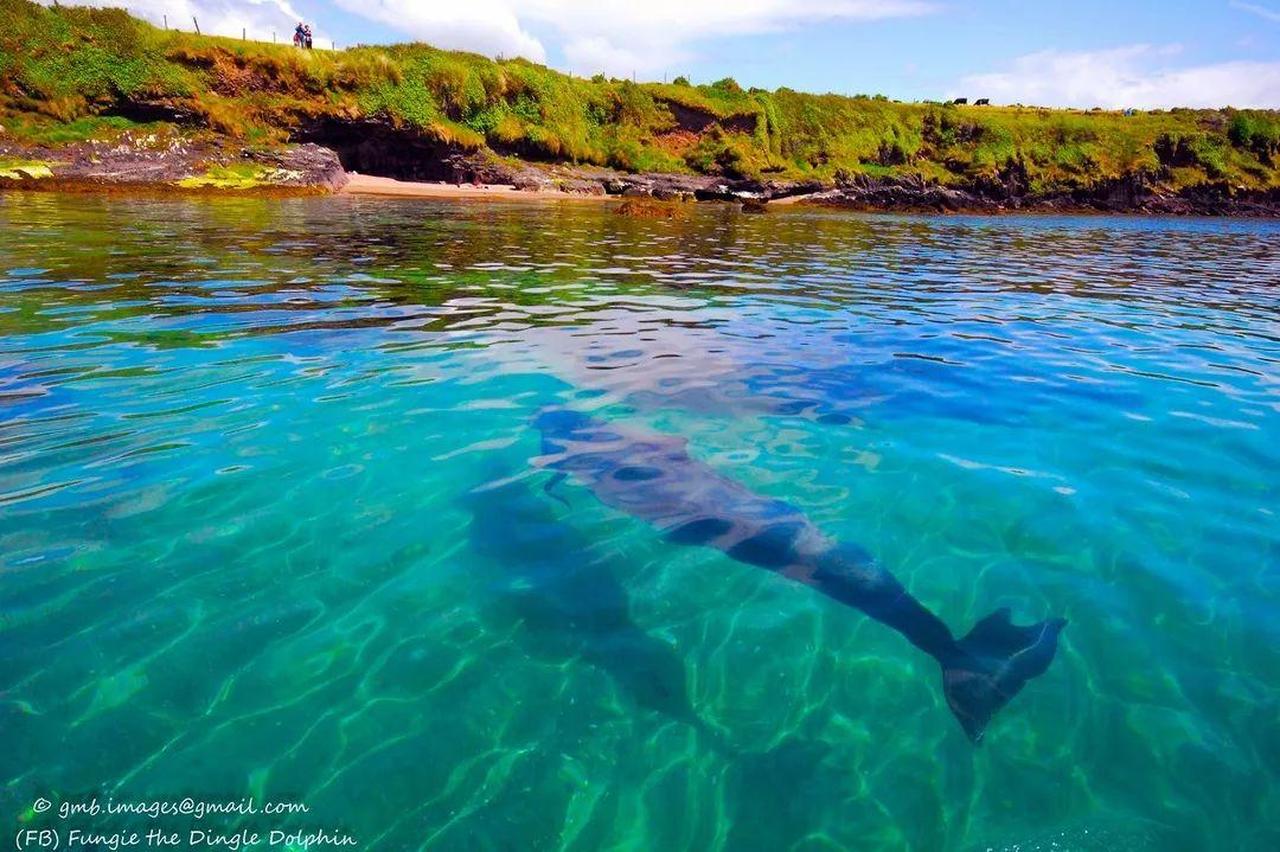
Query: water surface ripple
point(268, 524)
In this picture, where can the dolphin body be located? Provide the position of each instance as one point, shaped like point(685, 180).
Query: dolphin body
point(653, 478)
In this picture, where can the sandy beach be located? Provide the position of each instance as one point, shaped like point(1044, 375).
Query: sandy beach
point(359, 184)
point(789, 200)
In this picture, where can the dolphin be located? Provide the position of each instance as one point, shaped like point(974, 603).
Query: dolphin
point(652, 477)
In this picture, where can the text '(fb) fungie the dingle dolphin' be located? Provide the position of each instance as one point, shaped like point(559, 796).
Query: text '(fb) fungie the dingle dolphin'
point(652, 477)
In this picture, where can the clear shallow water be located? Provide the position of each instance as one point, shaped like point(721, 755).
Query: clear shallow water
point(240, 553)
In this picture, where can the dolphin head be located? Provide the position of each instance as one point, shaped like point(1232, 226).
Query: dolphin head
point(560, 422)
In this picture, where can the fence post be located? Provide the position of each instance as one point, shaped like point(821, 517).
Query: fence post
point(197, 23)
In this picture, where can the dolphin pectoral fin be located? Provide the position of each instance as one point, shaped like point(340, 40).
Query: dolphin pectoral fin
point(549, 488)
point(994, 661)
point(703, 531)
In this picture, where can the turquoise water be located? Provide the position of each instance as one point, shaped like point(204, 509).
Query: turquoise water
point(242, 550)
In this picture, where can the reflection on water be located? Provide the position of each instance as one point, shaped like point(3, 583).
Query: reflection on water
point(267, 524)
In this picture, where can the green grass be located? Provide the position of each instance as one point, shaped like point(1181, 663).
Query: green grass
point(66, 73)
point(43, 130)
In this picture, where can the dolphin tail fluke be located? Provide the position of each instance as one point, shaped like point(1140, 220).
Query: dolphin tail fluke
point(994, 661)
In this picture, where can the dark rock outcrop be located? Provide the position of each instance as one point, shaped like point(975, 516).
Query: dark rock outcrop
point(1007, 191)
point(312, 165)
point(378, 148)
point(176, 163)
point(871, 193)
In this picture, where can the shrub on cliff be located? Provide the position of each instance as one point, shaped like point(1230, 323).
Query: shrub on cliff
point(1256, 131)
point(1183, 150)
point(63, 71)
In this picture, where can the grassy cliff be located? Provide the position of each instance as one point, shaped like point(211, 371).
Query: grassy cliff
point(74, 73)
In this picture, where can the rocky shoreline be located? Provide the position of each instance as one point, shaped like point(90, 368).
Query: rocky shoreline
point(180, 164)
point(1133, 194)
point(170, 163)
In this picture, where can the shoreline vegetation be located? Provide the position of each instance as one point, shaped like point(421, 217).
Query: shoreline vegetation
point(94, 99)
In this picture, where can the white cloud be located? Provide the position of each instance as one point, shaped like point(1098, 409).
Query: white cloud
point(485, 26)
point(258, 19)
point(614, 36)
point(1139, 75)
point(1261, 11)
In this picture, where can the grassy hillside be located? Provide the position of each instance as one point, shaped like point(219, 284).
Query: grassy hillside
point(71, 73)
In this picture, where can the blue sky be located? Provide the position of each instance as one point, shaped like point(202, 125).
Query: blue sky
point(1084, 53)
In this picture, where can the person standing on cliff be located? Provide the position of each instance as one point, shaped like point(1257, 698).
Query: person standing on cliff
point(306, 30)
